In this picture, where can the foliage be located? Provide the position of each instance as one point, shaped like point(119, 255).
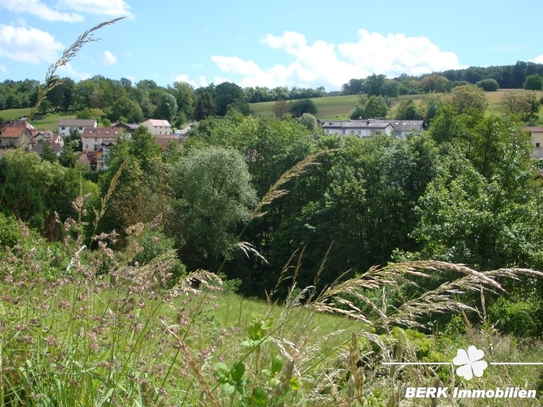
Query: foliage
point(205, 106)
point(309, 121)
point(467, 97)
point(280, 108)
point(521, 103)
point(533, 82)
point(213, 197)
point(407, 110)
point(488, 85)
point(370, 107)
point(299, 107)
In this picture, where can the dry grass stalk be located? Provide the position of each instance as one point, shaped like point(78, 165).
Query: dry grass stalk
point(356, 379)
point(440, 300)
point(51, 79)
point(210, 398)
point(276, 190)
point(104, 200)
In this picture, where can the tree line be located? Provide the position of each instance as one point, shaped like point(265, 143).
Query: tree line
point(121, 100)
point(527, 75)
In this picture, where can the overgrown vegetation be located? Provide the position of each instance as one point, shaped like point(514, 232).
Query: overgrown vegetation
point(132, 290)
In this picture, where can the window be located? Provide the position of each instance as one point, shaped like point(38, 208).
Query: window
point(63, 128)
point(537, 145)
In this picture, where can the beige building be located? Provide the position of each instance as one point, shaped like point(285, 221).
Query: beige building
point(158, 127)
point(92, 138)
point(537, 140)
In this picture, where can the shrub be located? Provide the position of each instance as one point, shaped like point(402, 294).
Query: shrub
point(520, 318)
point(488, 85)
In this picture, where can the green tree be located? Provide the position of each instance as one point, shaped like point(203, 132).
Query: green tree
point(488, 85)
point(185, 98)
point(299, 107)
point(407, 110)
point(467, 97)
point(167, 108)
point(435, 83)
point(521, 103)
point(376, 107)
point(228, 93)
point(127, 108)
point(47, 153)
point(213, 200)
point(205, 106)
point(67, 156)
point(309, 121)
point(533, 82)
point(280, 108)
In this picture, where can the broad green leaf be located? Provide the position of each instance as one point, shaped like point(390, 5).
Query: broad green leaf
point(277, 364)
point(259, 397)
point(238, 370)
point(222, 371)
point(227, 388)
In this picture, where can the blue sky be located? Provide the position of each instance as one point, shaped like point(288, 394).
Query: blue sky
point(272, 43)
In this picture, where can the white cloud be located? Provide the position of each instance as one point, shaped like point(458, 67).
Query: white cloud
point(38, 9)
point(108, 58)
point(69, 71)
point(28, 45)
point(538, 59)
point(396, 54)
point(3, 69)
point(186, 79)
point(322, 64)
point(113, 8)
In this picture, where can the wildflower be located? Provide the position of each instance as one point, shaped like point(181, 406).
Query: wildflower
point(51, 341)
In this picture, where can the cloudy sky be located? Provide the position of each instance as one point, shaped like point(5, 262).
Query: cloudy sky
point(266, 43)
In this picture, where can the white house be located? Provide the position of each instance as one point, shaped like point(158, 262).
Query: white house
point(64, 125)
point(158, 127)
point(369, 127)
point(360, 128)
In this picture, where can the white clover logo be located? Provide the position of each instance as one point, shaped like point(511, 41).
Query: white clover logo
point(470, 362)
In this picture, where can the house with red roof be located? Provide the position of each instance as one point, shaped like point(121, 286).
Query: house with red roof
point(16, 133)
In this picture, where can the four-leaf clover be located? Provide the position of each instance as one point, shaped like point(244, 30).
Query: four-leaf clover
point(470, 362)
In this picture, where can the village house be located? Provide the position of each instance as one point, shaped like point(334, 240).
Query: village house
point(55, 141)
point(537, 140)
point(16, 133)
point(64, 125)
point(127, 127)
point(370, 127)
point(158, 127)
point(92, 138)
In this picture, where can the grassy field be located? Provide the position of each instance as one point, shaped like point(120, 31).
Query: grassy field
point(48, 122)
point(339, 107)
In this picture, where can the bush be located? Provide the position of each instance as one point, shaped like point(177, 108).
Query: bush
point(300, 107)
point(516, 317)
point(488, 85)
